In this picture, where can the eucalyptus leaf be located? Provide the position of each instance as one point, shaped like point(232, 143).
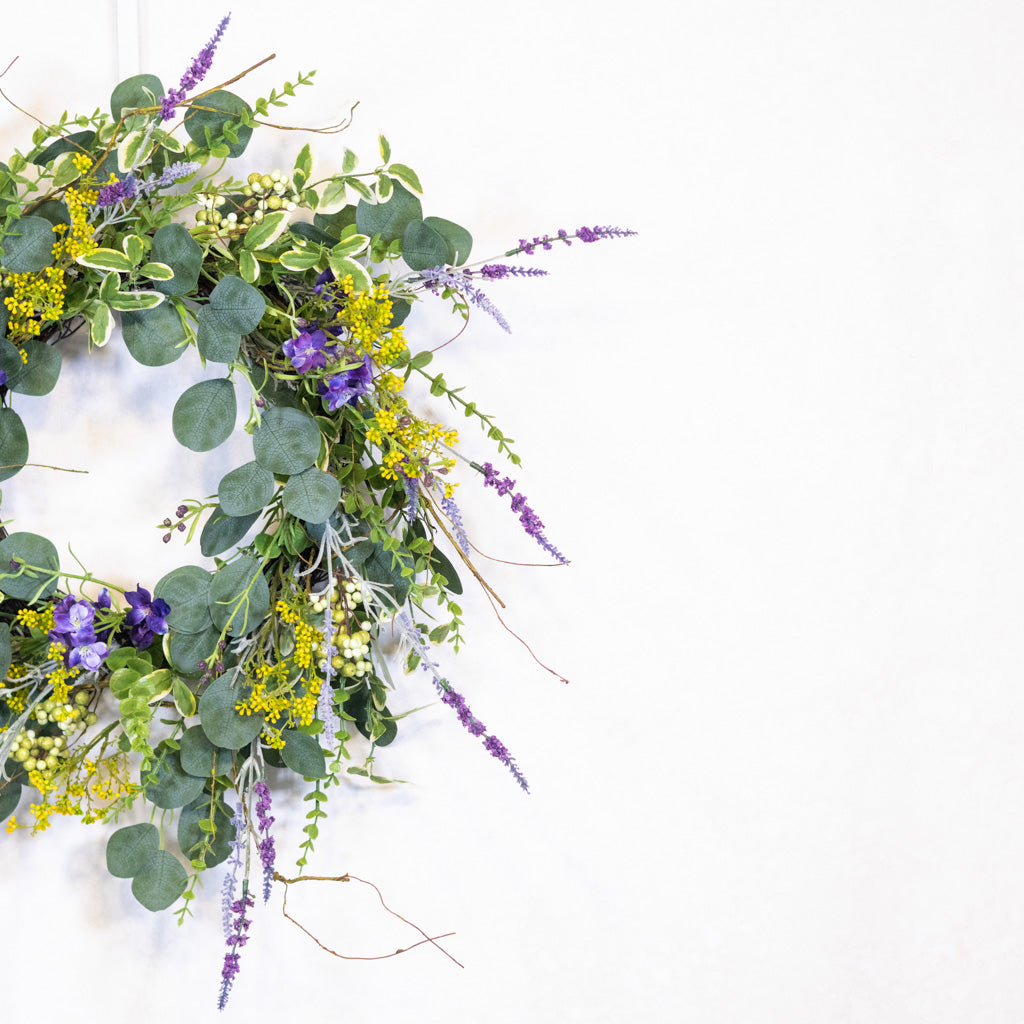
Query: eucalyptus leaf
point(134, 92)
point(239, 596)
point(389, 219)
point(28, 549)
point(423, 247)
point(311, 495)
point(219, 109)
point(154, 337)
point(160, 882)
point(303, 755)
point(13, 445)
point(222, 531)
point(246, 490)
point(200, 757)
point(286, 441)
point(204, 416)
point(187, 591)
point(175, 247)
point(192, 837)
point(130, 847)
point(223, 725)
point(5, 653)
point(185, 651)
point(28, 245)
point(459, 240)
point(238, 306)
point(10, 797)
point(174, 787)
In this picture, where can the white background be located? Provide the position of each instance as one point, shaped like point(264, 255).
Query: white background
point(780, 436)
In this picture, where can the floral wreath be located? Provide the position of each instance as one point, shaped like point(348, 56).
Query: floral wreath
point(183, 695)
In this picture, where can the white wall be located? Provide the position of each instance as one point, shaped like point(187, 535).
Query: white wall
point(779, 435)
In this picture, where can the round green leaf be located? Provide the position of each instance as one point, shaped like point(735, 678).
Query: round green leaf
point(239, 596)
point(223, 725)
point(389, 219)
point(459, 240)
point(28, 246)
point(186, 650)
point(29, 549)
point(187, 591)
point(311, 495)
point(200, 757)
point(192, 838)
point(129, 848)
point(286, 441)
point(54, 211)
point(206, 126)
point(137, 91)
point(174, 246)
point(204, 416)
point(13, 443)
point(216, 343)
point(160, 882)
point(303, 755)
point(155, 337)
point(174, 787)
point(424, 247)
point(10, 796)
point(246, 490)
point(237, 306)
point(223, 531)
point(36, 373)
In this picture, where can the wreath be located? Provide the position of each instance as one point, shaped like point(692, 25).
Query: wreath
point(342, 531)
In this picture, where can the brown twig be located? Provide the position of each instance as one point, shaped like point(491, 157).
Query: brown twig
point(278, 877)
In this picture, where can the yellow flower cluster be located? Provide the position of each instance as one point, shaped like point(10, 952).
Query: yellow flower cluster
point(37, 297)
point(274, 692)
point(41, 620)
point(412, 443)
point(366, 315)
point(84, 790)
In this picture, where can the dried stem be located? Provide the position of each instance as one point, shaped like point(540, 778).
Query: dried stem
point(278, 877)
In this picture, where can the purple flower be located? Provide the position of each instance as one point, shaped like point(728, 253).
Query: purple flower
point(236, 940)
point(307, 351)
point(89, 656)
point(530, 520)
point(266, 845)
point(451, 510)
point(146, 617)
point(73, 618)
point(459, 281)
point(584, 234)
point(472, 724)
point(497, 271)
point(195, 73)
point(117, 192)
point(345, 387)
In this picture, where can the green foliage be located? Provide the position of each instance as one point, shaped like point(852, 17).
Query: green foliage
point(137, 91)
point(286, 441)
point(303, 755)
point(13, 442)
point(28, 245)
point(245, 490)
point(311, 495)
point(204, 416)
point(160, 881)
point(129, 848)
point(187, 591)
point(223, 531)
point(218, 118)
point(389, 220)
point(175, 247)
point(239, 597)
point(223, 725)
point(154, 337)
point(28, 550)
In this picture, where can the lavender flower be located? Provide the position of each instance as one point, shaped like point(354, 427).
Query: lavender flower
point(460, 281)
point(451, 510)
point(195, 73)
point(266, 845)
point(325, 701)
point(530, 520)
point(497, 271)
point(584, 234)
point(412, 494)
point(227, 891)
point(236, 940)
point(411, 633)
point(117, 192)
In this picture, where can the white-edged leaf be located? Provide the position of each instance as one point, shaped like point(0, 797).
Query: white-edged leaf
point(385, 148)
point(106, 259)
point(64, 169)
point(333, 197)
point(268, 231)
point(296, 260)
point(351, 246)
point(135, 300)
point(134, 248)
point(384, 188)
point(343, 265)
point(101, 322)
point(156, 271)
point(349, 161)
point(363, 189)
point(248, 267)
point(130, 150)
point(407, 176)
